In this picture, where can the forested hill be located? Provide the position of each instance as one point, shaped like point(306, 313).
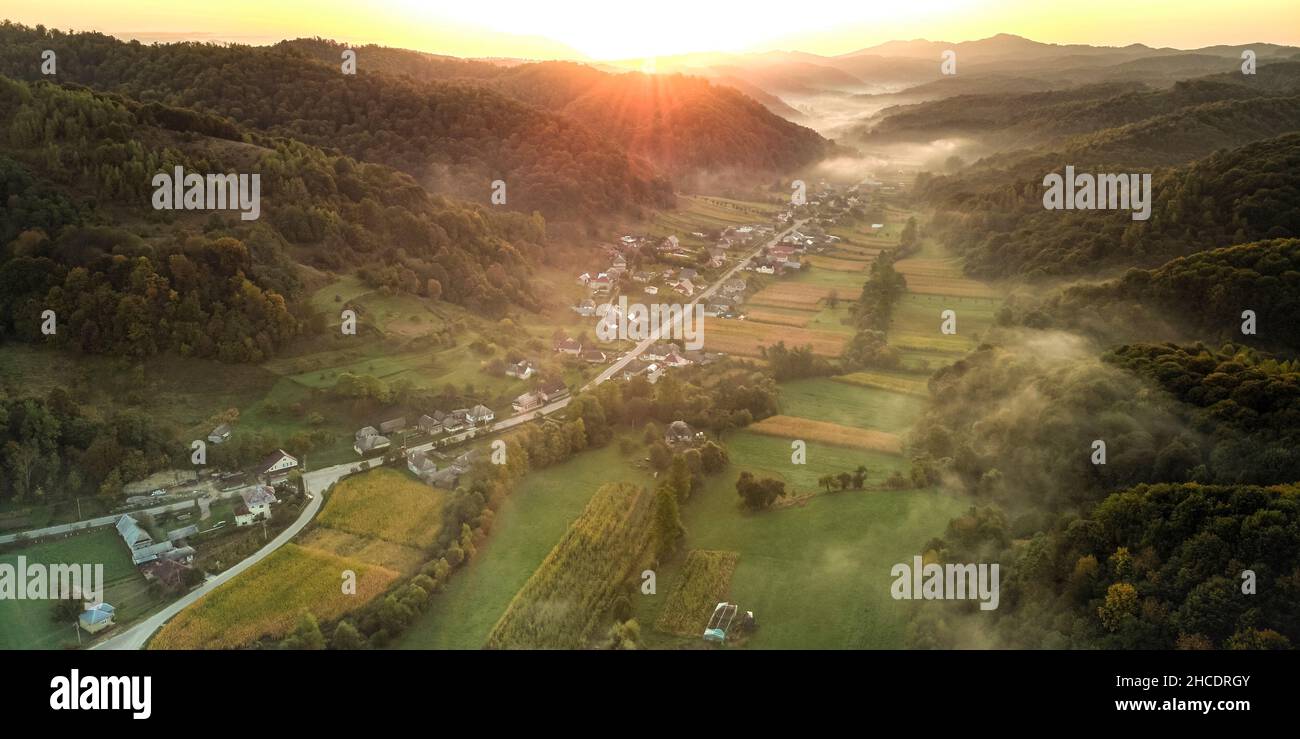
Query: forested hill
point(1230, 197)
point(1036, 118)
point(680, 123)
point(80, 235)
point(1202, 295)
point(454, 138)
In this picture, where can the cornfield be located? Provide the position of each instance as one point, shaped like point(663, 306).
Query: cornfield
point(386, 504)
point(567, 599)
point(268, 600)
point(792, 427)
point(705, 581)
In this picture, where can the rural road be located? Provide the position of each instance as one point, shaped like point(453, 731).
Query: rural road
point(317, 482)
point(91, 523)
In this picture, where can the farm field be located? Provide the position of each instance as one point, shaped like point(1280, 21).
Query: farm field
point(745, 338)
point(807, 429)
point(526, 526)
point(697, 213)
point(386, 504)
point(704, 581)
point(377, 524)
point(905, 383)
point(568, 597)
point(27, 624)
point(790, 295)
point(270, 598)
point(856, 405)
point(932, 276)
point(837, 264)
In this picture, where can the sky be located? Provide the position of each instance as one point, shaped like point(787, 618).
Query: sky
point(619, 29)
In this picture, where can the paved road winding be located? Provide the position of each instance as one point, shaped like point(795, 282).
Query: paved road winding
point(317, 482)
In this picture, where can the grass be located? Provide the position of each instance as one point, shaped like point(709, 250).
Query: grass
point(704, 581)
point(386, 504)
point(27, 624)
point(816, 576)
point(807, 429)
point(525, 528)
point(770, 456)
point(270, 598)
point(851, 405)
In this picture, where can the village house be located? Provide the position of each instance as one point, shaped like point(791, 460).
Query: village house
point(568, 345)
point(256, 505)
point(219, 434)
point(685, 287)
point(600, 284)
point(479, 415)
point(96, 617)
point(393, 425)
point(133, 534)
point(459, 420)
point(429, 425)
point(584, 279)
point(660, 351)
point(168, 573)
point(636, 367)
point(277, 466)
point(675, 359)
point(523, 369)
point(641, 277)
point(553, 391)
point(688, 274)
point(419, 464)
point(714, 310)
point(526, 402)
point(593, 356)
point(369, 440)
point(177, 535)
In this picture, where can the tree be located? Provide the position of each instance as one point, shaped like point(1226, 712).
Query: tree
point(307, 635)
point(860, 477)
point(1120, 605)
point(668, 521)
point(758, 494)
point(660, 455)
point(346, 637)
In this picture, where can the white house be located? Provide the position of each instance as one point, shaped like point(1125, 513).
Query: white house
point(277, 465)
point(257, 504)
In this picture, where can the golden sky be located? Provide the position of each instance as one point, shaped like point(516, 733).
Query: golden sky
point(618, 29)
